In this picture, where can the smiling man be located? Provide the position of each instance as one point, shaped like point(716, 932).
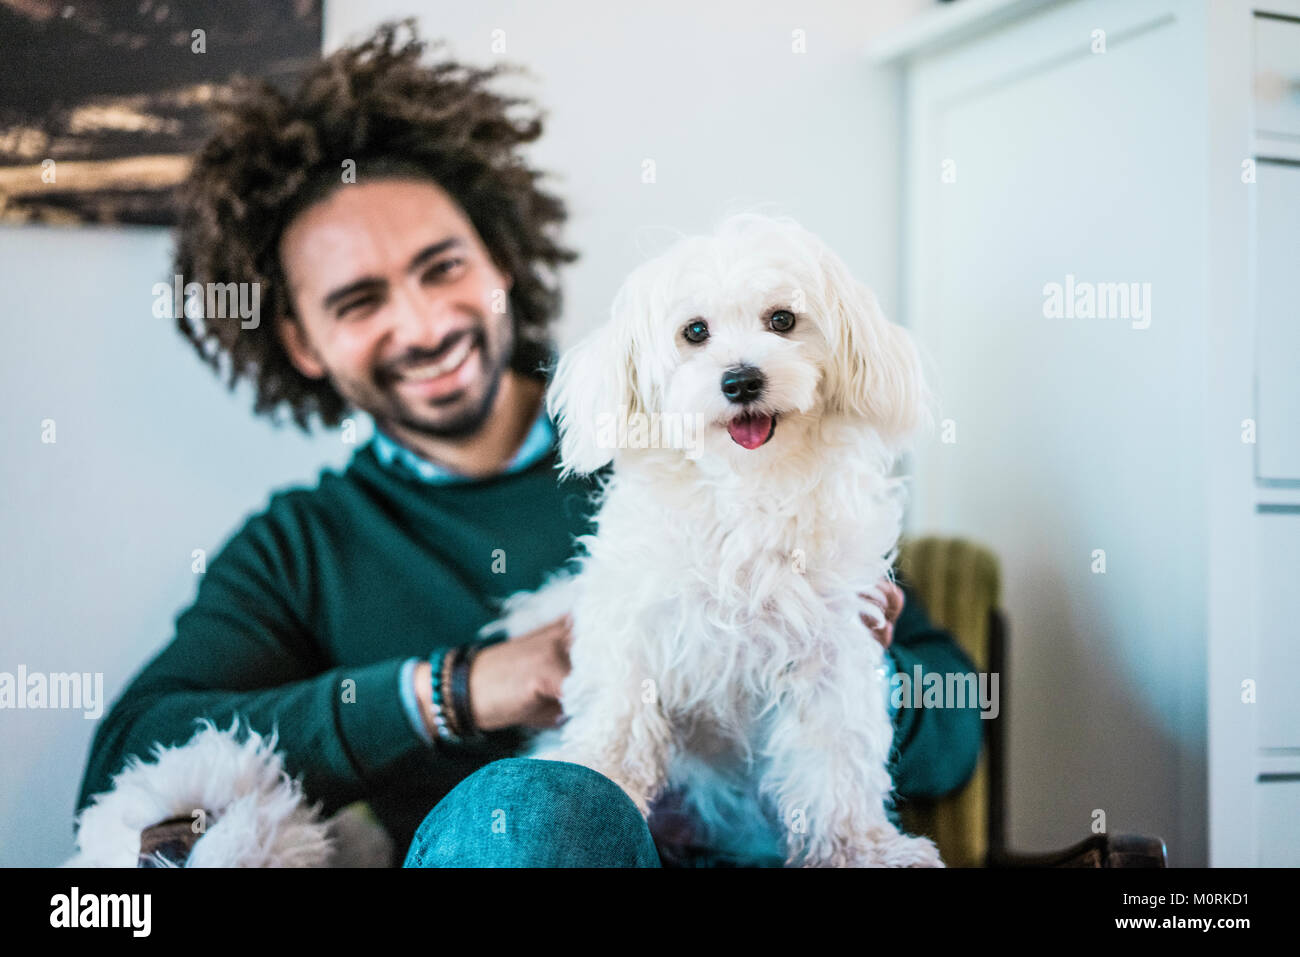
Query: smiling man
point(347, 615)
point(421, 341)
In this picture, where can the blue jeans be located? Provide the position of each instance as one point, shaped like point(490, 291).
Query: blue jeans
point(524, 812)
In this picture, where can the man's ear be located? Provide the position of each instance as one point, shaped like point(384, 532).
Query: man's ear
point(300, 351)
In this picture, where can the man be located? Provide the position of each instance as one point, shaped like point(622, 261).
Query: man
point(416, 293)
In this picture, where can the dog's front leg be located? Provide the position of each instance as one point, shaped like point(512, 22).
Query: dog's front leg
point(828, 746)
point(618, 728)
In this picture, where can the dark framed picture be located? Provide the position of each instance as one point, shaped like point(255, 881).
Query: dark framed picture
point(104, 101)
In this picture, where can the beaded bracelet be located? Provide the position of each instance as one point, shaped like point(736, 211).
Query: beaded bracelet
point(448, 662)
point(449, 673)
point(440, 708)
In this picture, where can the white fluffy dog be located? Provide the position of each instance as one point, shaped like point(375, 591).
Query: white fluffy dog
point(753, 399)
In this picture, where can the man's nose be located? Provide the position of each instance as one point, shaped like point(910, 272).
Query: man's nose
point(743, 383)
point(419, 320)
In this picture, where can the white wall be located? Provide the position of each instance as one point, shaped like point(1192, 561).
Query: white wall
point(154, 459)
point(1077, 437)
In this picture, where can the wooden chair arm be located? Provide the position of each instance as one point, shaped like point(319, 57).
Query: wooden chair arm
point(1100, 850)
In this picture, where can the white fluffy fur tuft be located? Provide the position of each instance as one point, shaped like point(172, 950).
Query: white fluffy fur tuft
point(255, 815)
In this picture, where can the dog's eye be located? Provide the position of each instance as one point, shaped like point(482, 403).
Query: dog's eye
point(696, 331)
point(781, 321)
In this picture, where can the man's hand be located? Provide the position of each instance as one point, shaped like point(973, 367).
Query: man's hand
point(511, 683)
point(887, 604)
point(517, 682)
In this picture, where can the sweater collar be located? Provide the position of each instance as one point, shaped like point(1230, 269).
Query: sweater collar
point(393, 455)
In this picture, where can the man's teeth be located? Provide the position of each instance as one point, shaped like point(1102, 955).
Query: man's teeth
point(448, 363)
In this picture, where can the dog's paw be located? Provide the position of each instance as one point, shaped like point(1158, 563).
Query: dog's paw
point(892, 850)
point(907, 851)
point(897, 850)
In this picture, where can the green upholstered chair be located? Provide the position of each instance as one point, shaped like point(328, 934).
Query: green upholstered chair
point(959, 583)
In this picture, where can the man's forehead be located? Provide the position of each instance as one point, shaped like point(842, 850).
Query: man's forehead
point(363, 228)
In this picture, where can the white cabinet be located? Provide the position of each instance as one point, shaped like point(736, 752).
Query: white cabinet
point(1277, 220)
point(1277, 75)
point(1278, 824)
point(1102, 260)
point(1277, 598)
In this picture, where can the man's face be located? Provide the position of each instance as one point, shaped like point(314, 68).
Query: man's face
point(395, 292)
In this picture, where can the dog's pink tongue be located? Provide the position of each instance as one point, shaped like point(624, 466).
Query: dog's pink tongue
point(750, 431)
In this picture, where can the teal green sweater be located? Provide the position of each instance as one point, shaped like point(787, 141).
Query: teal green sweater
point(304, 619)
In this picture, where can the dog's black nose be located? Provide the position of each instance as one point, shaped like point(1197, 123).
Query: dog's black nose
point(743, 383)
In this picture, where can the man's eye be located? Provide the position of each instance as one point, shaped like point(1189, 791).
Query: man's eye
point(443, 268)
point(781, 321)
point(354, 308)
point(696, 331)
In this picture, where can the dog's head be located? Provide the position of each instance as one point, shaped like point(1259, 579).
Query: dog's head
point(730, 343)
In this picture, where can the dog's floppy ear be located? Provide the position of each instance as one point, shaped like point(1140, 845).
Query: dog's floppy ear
point(595, 390)
point(876, 369)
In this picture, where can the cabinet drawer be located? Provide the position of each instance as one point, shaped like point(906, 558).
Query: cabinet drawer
point(1277, 77)
point(1277, 612)
point(1278, 823)
point(1277, 218)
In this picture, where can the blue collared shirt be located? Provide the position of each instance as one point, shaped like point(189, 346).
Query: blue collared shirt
point(538, 442)
point(391, 454)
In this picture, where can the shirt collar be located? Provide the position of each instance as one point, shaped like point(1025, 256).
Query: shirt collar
point(537, 444)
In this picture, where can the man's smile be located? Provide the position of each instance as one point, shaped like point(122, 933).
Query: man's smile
point(459, 363)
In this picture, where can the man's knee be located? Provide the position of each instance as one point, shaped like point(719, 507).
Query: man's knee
point(524, 812)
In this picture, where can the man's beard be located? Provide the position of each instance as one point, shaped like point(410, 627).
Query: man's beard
point(470, 420)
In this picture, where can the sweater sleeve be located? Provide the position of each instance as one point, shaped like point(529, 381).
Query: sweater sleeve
point(406, 690)
point(242, 649)
point(935, 749)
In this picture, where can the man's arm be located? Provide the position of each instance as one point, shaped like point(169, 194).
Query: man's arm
point(935, 749)
point(243, 649)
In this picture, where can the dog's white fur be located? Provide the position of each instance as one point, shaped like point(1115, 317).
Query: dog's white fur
point(255, 815)
point(717, 640)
